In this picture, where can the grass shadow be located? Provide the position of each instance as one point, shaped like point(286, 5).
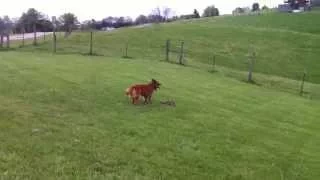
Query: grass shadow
point(173, 62)
point(212, 71)
point(126, 57)
point(93, 54)
point(252, 82)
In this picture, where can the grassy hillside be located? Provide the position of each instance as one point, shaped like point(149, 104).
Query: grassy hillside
point(66, 117)
point(295, 23)
point(286, 44)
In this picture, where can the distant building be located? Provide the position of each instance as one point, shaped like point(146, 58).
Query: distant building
point(315, 2)
point(295, 5)
point(284, 8)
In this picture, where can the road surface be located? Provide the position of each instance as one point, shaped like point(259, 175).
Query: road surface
point(14, 37)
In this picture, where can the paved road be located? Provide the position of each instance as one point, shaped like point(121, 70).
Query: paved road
point(26, 36)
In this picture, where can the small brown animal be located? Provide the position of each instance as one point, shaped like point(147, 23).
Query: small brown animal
point(142, 90)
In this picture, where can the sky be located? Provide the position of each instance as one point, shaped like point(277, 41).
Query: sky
point(99, 9)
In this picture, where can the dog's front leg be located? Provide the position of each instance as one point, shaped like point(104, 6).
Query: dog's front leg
point(145, 100)
point(132, 99)
point(149, 99)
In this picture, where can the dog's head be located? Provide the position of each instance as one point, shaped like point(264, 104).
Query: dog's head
point(156, 84)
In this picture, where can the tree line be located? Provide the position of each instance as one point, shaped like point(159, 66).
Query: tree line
point(33, 21)
point(255, 8)
point(157, 15)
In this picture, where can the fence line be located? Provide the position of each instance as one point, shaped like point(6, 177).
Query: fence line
point(183, 52)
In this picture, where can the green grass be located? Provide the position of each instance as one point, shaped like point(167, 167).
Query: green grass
point(303, 23)
point(286, 44)
point(66, 117)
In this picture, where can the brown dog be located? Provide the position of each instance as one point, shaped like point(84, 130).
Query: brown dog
point(144, 90)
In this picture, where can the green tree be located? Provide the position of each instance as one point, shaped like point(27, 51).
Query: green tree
point(255, 7)
point(1, 25)
point(196, 14)
point(265, 7)
point(68, 22)
point(27, 19)
point(88, 25)
point(142, 19)
point(7, 24)
point(166, 13)
point(210, 11)
point(30, 19)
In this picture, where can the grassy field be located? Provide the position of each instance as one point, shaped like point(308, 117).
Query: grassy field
point(286, 44)
point(66, 117)
point(303, 23)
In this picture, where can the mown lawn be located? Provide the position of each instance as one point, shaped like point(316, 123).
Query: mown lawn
point(66, 117)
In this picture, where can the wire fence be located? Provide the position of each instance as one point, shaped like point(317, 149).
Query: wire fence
point(25, 39)
point(251, 67)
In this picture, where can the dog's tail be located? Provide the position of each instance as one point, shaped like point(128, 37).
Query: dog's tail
point(128, 91)
point(132, 92)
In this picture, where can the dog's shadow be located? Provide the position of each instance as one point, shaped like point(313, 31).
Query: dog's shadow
point(167, 103)
point(170, 103)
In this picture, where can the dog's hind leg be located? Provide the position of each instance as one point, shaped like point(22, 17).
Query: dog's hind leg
point(135, 99)
point(134, 96)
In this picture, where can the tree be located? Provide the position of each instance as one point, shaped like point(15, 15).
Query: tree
point(142, 19)
point(122, 22)
point(93, 24)
point(68, 22)
point(33, 16)
point(166, 13)
point(2, 29)
point(156, 16)
point(210, 11)
point(88, 25)
point(128, 21)
point(157, 12)
point(29, 20)
point(239, 10)
point(1, 25)
point(32, 21)
point(265, 7)
point(7, 24)
point(196, 14)
point(108, 22)
point(255, 7)
point(45, 25)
